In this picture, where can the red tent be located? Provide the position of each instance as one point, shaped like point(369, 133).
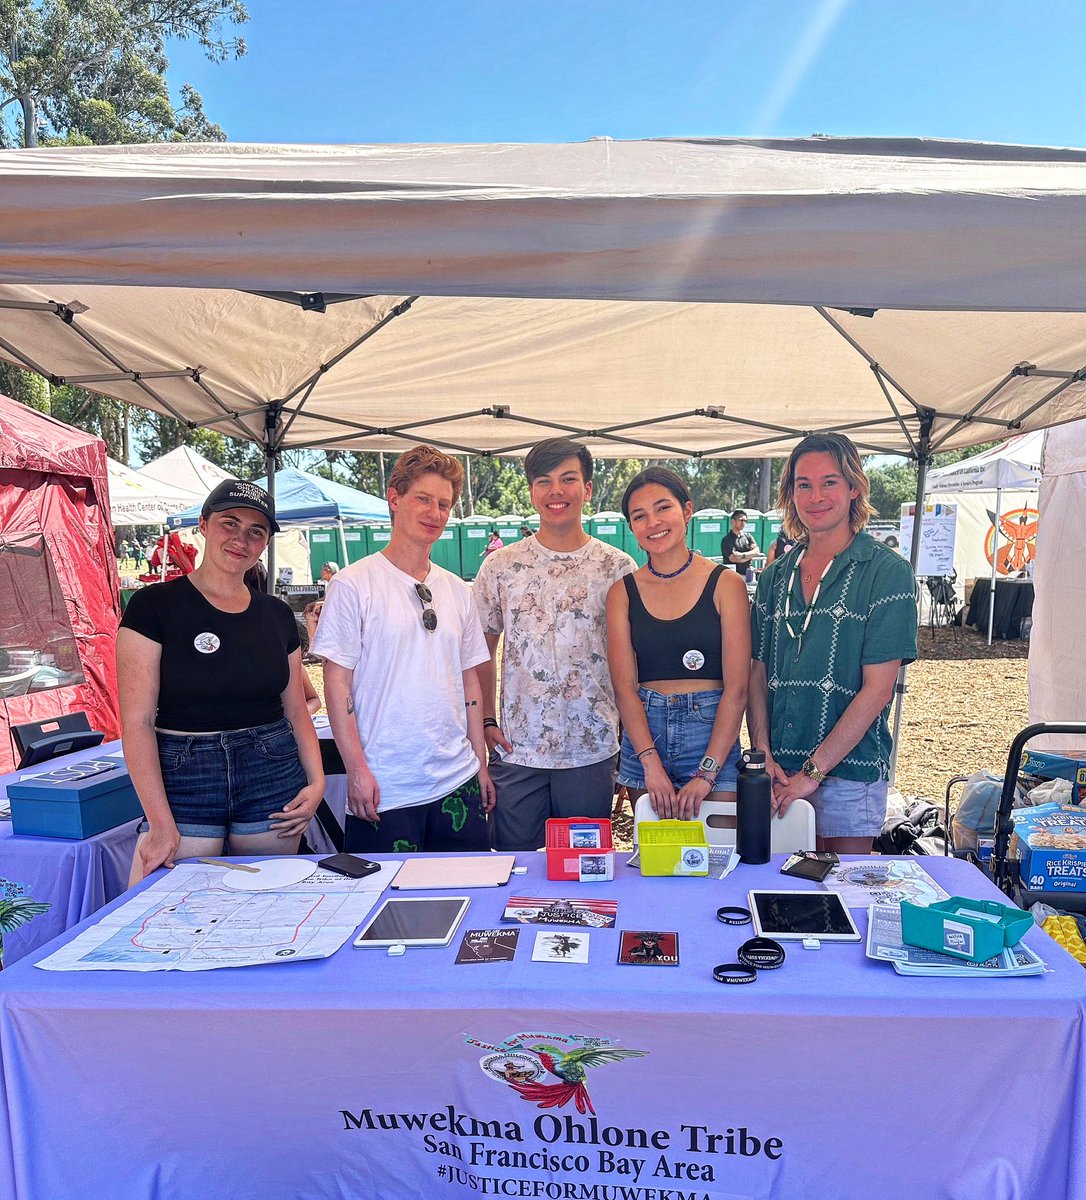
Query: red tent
point(58, 576)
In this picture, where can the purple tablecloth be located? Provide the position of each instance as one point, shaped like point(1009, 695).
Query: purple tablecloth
point(364, 1075)
point(74, 877)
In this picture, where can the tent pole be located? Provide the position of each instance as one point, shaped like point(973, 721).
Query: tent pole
point(271, 419)
point(923, 461)
point(995, 561)
point(342, 542)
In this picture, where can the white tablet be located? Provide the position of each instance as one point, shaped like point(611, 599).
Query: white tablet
point(414, 921)
point(795, 915)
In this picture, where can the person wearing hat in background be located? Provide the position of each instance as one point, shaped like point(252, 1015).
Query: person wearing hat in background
point(216, 732)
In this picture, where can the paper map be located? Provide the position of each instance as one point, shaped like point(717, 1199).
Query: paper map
point(190, 921)
point(882, 881)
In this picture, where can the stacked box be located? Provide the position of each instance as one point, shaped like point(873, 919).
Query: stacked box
point(1051, 846)
point(1058, 766)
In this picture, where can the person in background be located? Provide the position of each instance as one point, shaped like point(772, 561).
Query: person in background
point(554, 749)
point(831, 625)
point(678, 641)
point(495, 543)
point(400, 640)
point(526, 531)
point(737, 548)
point(311, 614)
point(122, 552)
point(781, 545)
point(216, 732)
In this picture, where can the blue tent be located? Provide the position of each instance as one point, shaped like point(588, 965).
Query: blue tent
point(304, 499)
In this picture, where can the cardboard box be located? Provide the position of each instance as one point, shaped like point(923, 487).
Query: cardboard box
point(74, 802)
point(1051, 847)
point(1049, 765)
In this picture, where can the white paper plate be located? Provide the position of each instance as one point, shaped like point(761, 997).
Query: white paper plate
point(273, 873)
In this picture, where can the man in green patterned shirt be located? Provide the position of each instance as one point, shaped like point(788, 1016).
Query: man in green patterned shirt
point(832, 622)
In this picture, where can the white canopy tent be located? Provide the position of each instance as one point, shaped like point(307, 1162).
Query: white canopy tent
point(137, 500)
point(656, 298)
point(186, 469)
point(1014, 465)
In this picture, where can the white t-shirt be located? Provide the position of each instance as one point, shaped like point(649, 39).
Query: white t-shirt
point(407, 686)
point(557, 704)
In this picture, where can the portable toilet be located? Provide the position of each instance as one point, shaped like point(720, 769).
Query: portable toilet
point(376, 537)
point(355, 538)
point(708, 528)
point(771, 527)
point(755, 526)
point(474, 535)
point(508, 528)
point(446, 550)
point(324, 546)
point(609, 527)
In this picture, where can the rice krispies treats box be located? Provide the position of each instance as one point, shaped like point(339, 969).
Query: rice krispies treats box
point(1051, 846)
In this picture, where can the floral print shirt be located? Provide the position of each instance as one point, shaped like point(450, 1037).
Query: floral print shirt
point(557, 705)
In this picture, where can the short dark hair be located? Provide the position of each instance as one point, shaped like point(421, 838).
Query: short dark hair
point(739, 515)
point(545, 456)
point(663, 476)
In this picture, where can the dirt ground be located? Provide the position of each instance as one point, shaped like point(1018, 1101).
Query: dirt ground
point(966, 701)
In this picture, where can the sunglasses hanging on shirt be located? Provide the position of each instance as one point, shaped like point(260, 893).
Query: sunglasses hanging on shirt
point(429, 617)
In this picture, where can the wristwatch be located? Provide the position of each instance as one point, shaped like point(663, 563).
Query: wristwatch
point(709, 765)
point(812, 772)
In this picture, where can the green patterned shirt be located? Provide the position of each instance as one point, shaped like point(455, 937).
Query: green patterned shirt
point(865, 613)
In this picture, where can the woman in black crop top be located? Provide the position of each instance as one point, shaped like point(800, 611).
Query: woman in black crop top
point(217, 735)
point(678, 633)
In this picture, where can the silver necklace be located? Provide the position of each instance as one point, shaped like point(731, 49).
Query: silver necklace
point(810, 607)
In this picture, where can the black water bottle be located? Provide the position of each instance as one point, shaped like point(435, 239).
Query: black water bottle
point(753, 808)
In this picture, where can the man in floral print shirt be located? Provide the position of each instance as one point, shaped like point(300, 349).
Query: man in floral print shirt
point(554, 748)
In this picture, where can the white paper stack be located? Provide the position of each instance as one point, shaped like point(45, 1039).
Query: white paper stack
point(884, 944)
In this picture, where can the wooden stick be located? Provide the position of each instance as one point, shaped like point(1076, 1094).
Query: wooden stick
point(230, 866)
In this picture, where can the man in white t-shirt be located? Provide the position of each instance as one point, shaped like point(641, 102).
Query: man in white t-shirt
point(554, 750)
point(401, 641)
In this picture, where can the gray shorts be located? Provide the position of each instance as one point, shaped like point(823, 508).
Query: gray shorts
point(849, 808)
point(527, 796)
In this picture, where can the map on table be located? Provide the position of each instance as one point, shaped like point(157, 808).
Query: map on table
point(190, 921)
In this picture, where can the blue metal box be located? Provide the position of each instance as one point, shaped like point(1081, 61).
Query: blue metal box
point(74, 802)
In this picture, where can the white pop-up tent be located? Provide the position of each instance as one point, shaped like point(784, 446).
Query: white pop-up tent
point(1013, 466)
point(186, 469)
point(135, 499)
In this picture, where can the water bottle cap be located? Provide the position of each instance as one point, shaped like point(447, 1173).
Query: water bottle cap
point(754, 758)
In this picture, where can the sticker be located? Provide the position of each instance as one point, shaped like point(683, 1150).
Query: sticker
point(693, 860)
point(206, 643)
point(693, 660)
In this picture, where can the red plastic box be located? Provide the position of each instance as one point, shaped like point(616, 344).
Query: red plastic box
point(562, 857)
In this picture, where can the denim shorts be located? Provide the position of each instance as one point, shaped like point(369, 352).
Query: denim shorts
point(219, 784)
point(849, 808)
point(680, 726)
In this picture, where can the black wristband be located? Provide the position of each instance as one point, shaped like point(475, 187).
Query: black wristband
point(489, 723)
point(761, 954)
point(734, 973)
point(733, 915)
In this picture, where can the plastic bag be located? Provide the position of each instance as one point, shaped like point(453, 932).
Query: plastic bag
point(1061, 791)
point(975, 815)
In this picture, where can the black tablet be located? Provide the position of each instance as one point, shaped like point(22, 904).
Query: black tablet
point(783, 915)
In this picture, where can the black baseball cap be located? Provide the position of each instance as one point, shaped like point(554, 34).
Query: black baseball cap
point(236, 493)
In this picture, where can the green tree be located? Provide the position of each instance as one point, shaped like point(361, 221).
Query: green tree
point(94, 71)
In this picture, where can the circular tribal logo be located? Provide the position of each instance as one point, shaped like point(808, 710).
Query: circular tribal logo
point(693, 660)
point(206, 643)
point(512, 1068)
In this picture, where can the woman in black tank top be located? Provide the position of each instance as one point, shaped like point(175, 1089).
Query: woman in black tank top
point(678, 634)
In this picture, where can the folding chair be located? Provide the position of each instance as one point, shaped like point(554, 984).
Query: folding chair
point(944, 604)
point(794, 831)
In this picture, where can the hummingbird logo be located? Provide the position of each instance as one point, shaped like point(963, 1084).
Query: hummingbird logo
point(551, 1069)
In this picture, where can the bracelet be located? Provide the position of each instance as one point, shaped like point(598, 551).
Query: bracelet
point(489, 723)
point(734, 973)
point(761, 954)
point(733, 914)
point(647, 750)
point(708, 776)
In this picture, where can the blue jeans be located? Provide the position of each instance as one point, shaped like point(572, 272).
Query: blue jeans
point(219, 784)
point(680, 726)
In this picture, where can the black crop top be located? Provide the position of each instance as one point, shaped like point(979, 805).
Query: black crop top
point(218, 670)
point(687, 647)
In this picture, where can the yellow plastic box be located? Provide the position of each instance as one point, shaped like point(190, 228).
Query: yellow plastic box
point(673, 848)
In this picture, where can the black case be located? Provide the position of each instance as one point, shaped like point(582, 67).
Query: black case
point(810, 864)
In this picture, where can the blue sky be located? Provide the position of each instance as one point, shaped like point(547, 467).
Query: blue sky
point(565, 70)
